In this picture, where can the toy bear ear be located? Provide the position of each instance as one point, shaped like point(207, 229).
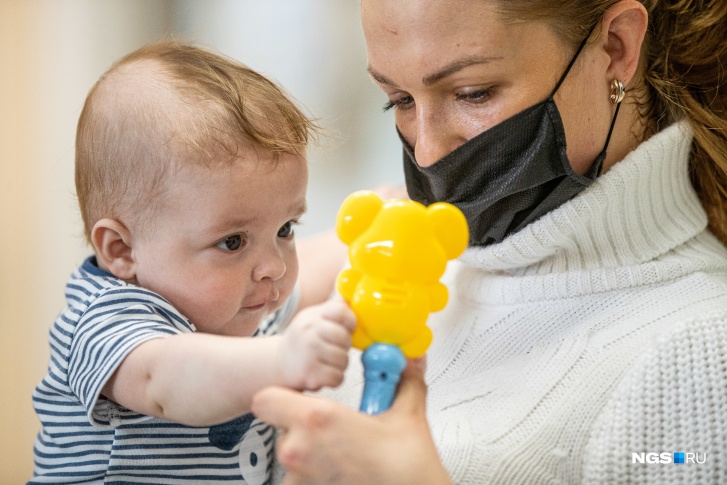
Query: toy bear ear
point(356, 214)
point(450, 227)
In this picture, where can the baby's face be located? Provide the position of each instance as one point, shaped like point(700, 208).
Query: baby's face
point(221, 247)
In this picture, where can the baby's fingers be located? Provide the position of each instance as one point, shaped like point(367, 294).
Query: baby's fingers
point(333, 356)
point(338, 311)
point(324, 376)
point(334, 334)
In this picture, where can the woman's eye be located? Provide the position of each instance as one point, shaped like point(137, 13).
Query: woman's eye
point(404, 102)
point(286, 230)
point(479, 96)
point(231, 243)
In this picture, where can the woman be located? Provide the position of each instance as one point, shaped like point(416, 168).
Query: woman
point(585, 338)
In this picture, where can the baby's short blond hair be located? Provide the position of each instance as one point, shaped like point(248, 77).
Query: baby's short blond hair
point(170, 103)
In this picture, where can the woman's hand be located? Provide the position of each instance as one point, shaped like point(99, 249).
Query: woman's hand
point(322, 442)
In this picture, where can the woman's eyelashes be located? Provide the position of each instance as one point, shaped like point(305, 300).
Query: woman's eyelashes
point(399, 103)
point(474, 97)
point(477, 96)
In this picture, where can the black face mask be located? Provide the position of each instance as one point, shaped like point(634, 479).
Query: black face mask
point(508, 176)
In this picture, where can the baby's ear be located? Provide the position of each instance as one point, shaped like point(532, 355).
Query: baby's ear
point(356, 214)
point(112, 241)
point(450, 227)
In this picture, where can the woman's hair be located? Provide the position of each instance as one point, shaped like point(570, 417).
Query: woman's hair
point(170, 103)
point(684, 61)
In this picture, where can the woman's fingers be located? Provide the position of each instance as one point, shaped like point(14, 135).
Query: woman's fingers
point(411, 396)
point(305, 424)
point(286, 409)
point(325, 443)
point(277, 406)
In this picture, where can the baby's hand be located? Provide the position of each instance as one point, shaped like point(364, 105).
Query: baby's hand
point(314, 351)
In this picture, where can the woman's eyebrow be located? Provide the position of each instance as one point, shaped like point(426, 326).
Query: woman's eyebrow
point(442, 73)
point(455, 66)
point(380, 78)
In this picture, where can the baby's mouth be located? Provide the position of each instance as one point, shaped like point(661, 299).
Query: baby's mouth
point(255, 307)
point(273, 296)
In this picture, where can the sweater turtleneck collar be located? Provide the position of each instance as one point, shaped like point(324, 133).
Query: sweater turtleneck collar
point(643, 207)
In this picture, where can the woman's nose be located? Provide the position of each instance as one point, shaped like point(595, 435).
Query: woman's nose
point(270, 265)
point(432, 140)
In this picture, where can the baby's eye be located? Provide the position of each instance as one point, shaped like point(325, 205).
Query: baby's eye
point(286, 230)
point(231, 243)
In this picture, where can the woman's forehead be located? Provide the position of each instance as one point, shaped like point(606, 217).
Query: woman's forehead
point(395, 16)
point(432, 28)
point(428, 40)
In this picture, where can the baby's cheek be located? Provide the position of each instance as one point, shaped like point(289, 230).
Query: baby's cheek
point(287, 283)
point(209, 311)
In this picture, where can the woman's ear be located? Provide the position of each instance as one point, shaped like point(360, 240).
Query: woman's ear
point(112, 241)
point(624, 28)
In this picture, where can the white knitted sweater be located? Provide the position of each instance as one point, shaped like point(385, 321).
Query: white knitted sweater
point(596, 332)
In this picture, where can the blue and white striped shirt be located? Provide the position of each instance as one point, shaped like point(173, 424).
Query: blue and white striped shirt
point(86, 438)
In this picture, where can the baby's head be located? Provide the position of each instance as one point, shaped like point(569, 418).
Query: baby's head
point(190, 172)
point(166, 105)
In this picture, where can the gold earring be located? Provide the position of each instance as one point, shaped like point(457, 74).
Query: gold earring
point(617, 91)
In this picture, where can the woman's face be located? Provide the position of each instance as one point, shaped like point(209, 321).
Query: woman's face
point(454, 69)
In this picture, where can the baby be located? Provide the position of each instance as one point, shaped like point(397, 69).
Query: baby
point(191, 176)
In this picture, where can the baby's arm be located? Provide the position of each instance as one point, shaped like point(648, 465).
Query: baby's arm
point(201, 379)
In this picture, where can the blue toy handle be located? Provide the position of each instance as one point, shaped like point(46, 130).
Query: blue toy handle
point(383, 365)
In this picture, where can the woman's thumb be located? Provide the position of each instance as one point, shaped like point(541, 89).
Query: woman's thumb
point(411, 395)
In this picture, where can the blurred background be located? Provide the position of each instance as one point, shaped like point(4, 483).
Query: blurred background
point(51, 53)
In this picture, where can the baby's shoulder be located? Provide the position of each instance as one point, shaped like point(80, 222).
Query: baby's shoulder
point(95, 298)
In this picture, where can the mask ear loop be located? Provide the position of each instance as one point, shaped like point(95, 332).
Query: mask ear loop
point(578, 51)
point(574, 58)
point(617, 95)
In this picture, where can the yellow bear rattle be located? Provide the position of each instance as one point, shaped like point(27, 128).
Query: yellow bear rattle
point(398, 250)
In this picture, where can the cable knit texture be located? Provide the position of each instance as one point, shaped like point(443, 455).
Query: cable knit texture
point(596, 332)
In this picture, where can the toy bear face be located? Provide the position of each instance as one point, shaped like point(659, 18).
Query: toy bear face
point(401, 239)
point(398, 251)
point(400, 244)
